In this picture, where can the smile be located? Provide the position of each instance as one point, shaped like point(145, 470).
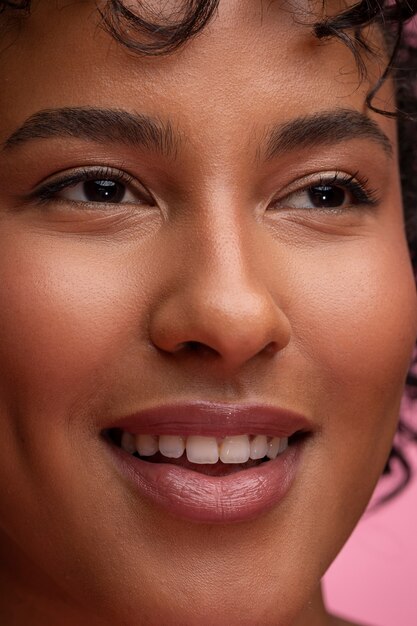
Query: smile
point(195, 462)
point(201, 450)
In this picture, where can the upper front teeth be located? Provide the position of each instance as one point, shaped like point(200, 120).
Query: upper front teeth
point(200, 449)
point(235, 449)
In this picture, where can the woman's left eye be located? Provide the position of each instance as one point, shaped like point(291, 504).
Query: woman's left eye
point(332, 194)
point(319, 197)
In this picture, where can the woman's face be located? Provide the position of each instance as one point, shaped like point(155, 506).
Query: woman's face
point(255, 268)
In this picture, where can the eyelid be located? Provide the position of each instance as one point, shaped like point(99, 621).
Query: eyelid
point(357, 184)
point(50, 189)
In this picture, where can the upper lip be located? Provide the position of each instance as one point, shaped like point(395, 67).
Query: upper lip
point(215, 419)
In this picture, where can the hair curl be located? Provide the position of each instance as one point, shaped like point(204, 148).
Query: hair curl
point(153, 32)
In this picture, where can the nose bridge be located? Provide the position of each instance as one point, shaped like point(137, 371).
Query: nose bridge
point(225, 247)
point(219, 296)
point(230, 279)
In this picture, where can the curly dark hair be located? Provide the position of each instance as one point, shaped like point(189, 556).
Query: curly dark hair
point(151, 32)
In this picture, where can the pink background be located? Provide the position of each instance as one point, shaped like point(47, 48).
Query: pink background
point(374, 578)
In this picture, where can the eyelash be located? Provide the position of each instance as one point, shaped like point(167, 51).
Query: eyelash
point(49, 191)
point(357, 185)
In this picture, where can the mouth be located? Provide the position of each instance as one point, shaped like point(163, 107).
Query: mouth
point(208, 462)
point(211, 456)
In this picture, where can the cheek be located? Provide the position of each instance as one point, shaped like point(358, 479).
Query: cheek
point(367, 311)
point(66, 317)
point(356, 309)
point(357, 331)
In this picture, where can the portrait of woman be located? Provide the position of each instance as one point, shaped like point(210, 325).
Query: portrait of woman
point(208, 308)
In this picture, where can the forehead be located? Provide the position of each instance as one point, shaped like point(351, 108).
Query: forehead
point(256, 63)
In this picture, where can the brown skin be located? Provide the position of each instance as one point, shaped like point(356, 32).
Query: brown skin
point(96, 303)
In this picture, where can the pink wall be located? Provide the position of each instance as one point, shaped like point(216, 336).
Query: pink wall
point(374, 579)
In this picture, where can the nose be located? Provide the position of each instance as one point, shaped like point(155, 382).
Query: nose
point(218, 303)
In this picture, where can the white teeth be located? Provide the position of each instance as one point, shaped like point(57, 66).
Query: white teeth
point(235, 449)
point(258, 447)
point(202, 449)
point(273, 448)
point(171, 446)
point(127, 443)
point(147, 445)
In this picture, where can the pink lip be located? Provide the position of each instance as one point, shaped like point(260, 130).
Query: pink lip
point(210, 419)
point(193, 496)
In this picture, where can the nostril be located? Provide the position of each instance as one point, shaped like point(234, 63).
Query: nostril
point(228, 331)
point(196, 347)
point(271, 348)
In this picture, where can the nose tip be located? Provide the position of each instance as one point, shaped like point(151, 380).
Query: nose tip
point(230, 325)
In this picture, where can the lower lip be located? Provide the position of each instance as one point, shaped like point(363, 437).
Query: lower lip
point(189, 495)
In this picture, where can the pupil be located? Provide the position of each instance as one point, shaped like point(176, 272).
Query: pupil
point(327, 197)
point(104, 191)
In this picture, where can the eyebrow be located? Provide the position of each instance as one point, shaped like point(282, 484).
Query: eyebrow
point(134, 129)
point(98, 125)
point(325, 128)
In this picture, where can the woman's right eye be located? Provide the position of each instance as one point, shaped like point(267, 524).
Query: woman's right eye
point(99, 191)
point(94, 187)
